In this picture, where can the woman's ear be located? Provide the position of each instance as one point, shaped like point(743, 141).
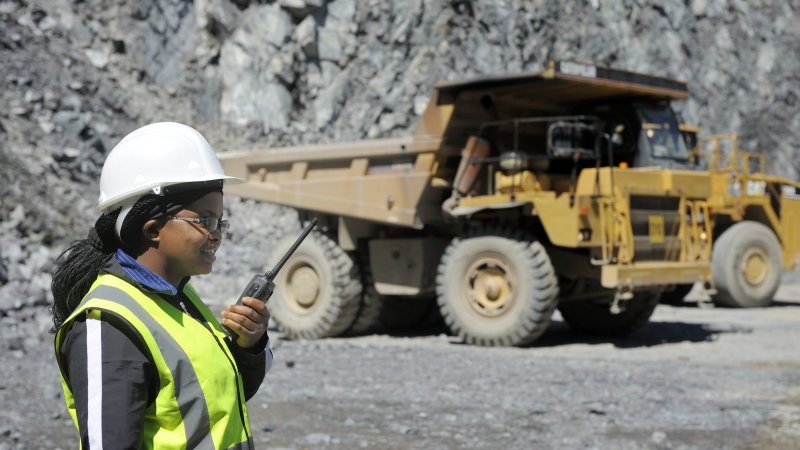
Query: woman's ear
point(151, 230)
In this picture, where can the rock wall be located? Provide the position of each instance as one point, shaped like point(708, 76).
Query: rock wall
point(76, 75)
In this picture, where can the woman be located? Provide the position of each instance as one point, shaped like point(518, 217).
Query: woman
point(143, 362)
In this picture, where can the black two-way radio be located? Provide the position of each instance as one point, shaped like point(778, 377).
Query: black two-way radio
point(261, 285)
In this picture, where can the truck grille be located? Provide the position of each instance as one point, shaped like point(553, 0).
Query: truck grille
point(656, 224)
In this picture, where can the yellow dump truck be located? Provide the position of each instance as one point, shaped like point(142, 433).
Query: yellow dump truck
point(570, 188)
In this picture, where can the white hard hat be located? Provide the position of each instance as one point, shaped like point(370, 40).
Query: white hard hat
point(154, 157)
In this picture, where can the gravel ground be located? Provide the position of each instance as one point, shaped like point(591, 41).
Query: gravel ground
point(696, 377)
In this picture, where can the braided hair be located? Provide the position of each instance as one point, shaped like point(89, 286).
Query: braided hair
point(76, 269)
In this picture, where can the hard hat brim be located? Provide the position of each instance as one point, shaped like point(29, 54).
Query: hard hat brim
point(130, 197)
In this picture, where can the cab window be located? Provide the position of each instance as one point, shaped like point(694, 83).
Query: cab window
point(660, 134)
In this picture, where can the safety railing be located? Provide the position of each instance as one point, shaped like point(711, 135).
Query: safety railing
point(616, 232)
point(724, 155)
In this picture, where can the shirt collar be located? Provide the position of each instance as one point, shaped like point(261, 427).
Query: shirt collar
point(144, 276)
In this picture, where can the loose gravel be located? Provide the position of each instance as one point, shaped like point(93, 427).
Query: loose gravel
point(696, 377)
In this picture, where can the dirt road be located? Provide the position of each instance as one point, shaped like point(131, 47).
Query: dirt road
point(694, 378)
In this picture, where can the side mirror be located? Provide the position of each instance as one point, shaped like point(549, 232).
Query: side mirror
point(513, 162)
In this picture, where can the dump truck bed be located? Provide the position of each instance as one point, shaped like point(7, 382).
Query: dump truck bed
point(380, 180)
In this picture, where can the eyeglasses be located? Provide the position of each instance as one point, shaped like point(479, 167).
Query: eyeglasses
point(211, 224)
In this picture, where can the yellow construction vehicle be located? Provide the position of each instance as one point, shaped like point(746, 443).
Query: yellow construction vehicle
point(570, 188)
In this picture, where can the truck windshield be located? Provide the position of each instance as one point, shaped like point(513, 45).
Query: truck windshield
point(660, 134)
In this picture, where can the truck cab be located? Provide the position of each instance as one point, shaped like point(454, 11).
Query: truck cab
point(606, 115)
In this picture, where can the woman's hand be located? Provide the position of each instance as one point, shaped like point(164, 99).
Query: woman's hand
point(248, 320)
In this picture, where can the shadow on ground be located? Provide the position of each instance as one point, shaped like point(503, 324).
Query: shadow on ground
point(559, 333)
point(651, 334)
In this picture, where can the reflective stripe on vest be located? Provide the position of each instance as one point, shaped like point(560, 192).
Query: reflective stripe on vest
point(182, 415)
point(244, 445)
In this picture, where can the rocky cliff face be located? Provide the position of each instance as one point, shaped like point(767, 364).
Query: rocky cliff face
point(76, 75)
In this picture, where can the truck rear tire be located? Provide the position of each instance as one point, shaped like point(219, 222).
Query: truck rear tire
point(387, 311)
point(496, 287)
point(317, 292)
point(747, 265)
point(371, 302)
point(594, 316)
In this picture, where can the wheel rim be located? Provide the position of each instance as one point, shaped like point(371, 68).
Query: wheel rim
point(303, 286)
point(489, 284)
point(755, 266)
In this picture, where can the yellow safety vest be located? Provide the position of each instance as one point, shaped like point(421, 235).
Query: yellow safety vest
point(208, 411)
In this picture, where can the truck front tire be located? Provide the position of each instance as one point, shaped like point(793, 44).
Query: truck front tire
point(496, 287)
point(747, 265)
